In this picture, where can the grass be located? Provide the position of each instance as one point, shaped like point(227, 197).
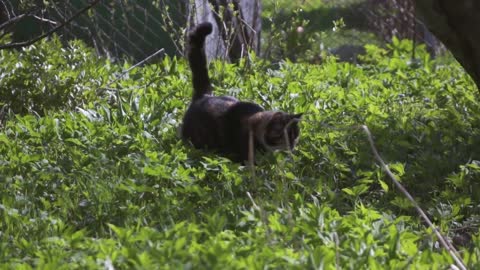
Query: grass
point(96, 177)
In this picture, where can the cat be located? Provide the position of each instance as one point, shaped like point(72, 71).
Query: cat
point(225, 124)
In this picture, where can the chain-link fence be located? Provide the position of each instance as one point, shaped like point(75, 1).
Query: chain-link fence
point(397, 18)
point(135, 29)
point(117, 29)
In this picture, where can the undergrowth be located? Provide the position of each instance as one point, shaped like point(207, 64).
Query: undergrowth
point(94, 175)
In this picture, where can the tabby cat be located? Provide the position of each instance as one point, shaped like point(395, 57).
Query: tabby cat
point(225, 124)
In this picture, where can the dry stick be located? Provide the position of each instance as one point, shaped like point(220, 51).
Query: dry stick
point(251, 161)
point(33, 40)
point(172, 22)
point(5, 27)
point(337, 253)
point(255, 206)
point(453, 252)
point(451, 249)
point(261, 212)
point(134, 66)
point(45, 20)
point(6, 10)
point(285, 134)
point(13, 20)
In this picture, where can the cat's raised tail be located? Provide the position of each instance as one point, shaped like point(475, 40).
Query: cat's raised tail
point(198, 60)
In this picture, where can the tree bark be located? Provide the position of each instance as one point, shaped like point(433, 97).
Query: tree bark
point(456, 24)
point(236, 27)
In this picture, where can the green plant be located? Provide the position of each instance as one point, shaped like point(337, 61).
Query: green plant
point(98, 178)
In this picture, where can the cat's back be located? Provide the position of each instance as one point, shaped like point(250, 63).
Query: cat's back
point(235, 119)
point(213, 105)
point(242, 109)
point(203, 123)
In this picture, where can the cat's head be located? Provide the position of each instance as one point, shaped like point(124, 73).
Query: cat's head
point(274, 134)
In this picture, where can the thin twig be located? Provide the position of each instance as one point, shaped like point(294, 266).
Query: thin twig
point(337, 250)
point(13, 20)
point(414, 45)
point(251, 150)
point(134, 66)
point(285, 133)
point(6, 10)
point(169, 22)
point(451, 250)
point(255, 206)
point(32, 41)
point(45, 20)
point(6, 26)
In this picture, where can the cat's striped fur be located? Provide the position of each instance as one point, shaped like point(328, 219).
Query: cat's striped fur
point(222, 123)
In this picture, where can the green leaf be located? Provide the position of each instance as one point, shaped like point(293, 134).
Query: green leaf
point(383, 185)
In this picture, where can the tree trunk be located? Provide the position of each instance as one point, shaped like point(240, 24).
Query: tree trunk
point(456, 24)
point(236, 26)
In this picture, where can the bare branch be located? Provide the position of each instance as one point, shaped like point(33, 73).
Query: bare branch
point(32, 41)
point(13, 20)
point(136, 65)
point(251, 152)
point(447, 245)
point(45, 20)
point(5, 10)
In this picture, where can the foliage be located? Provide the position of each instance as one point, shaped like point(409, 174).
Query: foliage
point(40, 78)
point(307, 31)
point(93, 174)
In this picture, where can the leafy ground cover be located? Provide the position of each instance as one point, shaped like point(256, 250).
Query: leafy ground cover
point(93, 174)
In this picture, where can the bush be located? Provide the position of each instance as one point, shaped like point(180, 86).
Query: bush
point(47, 76)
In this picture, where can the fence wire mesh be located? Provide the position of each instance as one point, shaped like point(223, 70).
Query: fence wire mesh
point(135, 29)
